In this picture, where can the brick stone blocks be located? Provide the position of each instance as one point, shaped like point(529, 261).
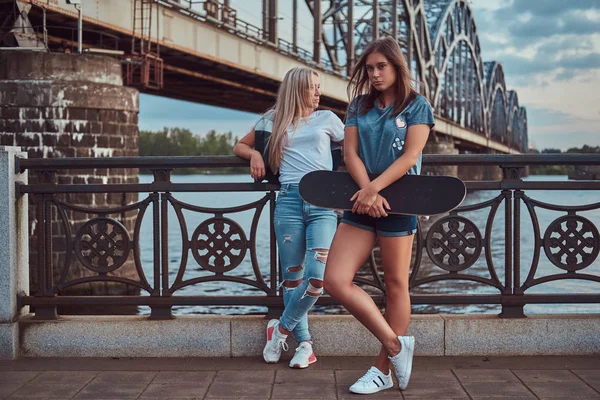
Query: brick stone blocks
point(67, 105)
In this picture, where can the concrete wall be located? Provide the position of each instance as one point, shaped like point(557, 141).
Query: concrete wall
point(14, 259)
point(243, 336)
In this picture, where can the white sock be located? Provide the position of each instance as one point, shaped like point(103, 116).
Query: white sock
point(278, 333)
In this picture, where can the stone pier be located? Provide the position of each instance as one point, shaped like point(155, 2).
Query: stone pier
point(71, 105)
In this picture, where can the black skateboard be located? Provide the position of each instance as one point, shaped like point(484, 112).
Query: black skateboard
point(409, 195)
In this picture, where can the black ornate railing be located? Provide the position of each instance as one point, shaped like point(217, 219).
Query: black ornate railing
point(447, 248)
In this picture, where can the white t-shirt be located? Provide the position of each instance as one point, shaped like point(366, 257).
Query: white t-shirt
point(309, 148)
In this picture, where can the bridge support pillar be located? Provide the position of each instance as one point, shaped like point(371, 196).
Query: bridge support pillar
point(72, 105)
point(439, 145)
point(14, 255)
point(479, 173)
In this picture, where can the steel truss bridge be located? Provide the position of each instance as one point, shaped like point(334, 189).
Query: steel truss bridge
point(202, 51)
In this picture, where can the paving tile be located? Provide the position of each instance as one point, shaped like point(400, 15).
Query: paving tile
point(434, 390)
point(225, 364)
point(427, 363)
point(524, 362)
point(242, 398)
point(239, 363)
point(249, 391)
point(245, 376)
point(303, 391)
point(532, 376)
point(439, 378)
point(106, 390)
point(10, 381)
point(572, 390)
point(46, 391)
point(478, 390)
point(485, 375)
point(204, 377)
point(588, 374)
point(347, 363)
point(591, 377)
point(304, 377)
point(65, 377)
point(6, 389)
point(571, 398)
point(248, 385)
point(502, 397)
point(176, 390)
point(128, 377)
point(15, 377)
point(434, 375)
point(343, 393)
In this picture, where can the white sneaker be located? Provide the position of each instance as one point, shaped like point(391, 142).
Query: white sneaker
point(275, 342)
point(372, 382)
point(403, 360)
point(304, 356)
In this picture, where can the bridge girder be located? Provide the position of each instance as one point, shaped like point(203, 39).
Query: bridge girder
point(440, 41)
point(438, 37)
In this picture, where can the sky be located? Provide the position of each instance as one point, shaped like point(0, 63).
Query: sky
point(549, 49)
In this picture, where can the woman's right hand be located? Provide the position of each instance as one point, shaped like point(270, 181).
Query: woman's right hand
point(378, 209)
point(257, 166)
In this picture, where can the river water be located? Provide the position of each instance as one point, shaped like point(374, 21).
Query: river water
point(244, 270)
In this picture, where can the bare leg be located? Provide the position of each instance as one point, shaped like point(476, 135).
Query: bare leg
point(350, 248)
point(395, 256)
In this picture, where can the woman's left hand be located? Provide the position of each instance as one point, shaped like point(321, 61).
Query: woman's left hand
point(364, 199)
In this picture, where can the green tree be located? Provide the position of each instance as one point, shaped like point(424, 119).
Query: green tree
point(183, 142)
point(561, 169)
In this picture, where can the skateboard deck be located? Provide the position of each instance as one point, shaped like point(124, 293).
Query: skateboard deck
point(409, 195)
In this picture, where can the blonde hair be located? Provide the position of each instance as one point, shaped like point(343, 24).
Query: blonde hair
point(293, 99)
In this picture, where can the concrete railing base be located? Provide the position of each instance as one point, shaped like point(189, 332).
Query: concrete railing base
point(240, 336)
point(9, 340)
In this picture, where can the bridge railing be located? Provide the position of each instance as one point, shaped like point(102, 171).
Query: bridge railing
point(102, 39)
point(484, 251)
point(225, 17)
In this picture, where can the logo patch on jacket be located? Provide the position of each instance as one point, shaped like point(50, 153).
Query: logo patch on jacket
point(398, 144)
point(400, 123)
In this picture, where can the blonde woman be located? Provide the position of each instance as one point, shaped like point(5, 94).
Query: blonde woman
point(299, 142)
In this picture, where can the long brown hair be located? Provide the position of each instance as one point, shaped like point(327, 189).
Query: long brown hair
point(360, 84)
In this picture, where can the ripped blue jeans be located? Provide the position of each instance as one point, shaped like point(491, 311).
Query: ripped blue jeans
point(304, 234)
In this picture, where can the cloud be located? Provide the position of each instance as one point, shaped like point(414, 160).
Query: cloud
point(539, 26)
point(519, 68)
point(522, 23)
point(577, 97)
point(547, 117)
point(549, 8)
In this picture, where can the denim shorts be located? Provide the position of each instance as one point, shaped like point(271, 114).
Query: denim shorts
point(393, 225)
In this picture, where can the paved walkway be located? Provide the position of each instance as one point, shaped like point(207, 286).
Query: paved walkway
point(439, 378)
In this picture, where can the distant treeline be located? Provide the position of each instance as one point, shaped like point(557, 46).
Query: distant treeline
point(182, 142)
point(559, 169)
